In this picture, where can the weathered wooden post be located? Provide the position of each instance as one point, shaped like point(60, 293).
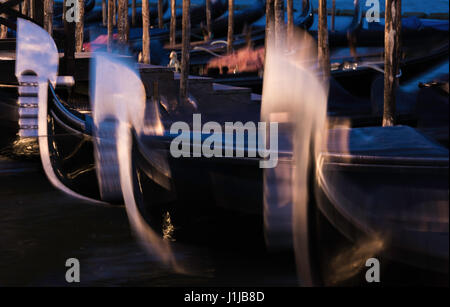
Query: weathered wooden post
point(145, 32)
point(399, 37)
point(186, 42)
point(26, 7)
point(31, 10)
point(173, 22)
point(110, 24)
point(290, 21)
point(104, 13)
point(3, 31)
point(230, 25)
point(333, 15)
point(133, 13)
point(160, 14)
point(270, 24)
point(115, 12)
point(323, 49)
point(391, 58)
point(122, 22)
point(79, 31)
point(208, 19)
point(270, 19)
point(48, 16)
point(3, 28)
point(279, 22)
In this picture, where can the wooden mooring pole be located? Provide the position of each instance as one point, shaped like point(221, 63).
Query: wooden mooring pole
point(122, 22)
point(133, 13)
point(290, 21)
point(115, 12)
point(145, 32)
point(26, 7)
point(323, 48)
point(3, 28)
point(186, 42)
point(104, 13)
point(270, 20)
point(48, 16)
point(392, 54)
point(110, 24)
point(32, 9)
point(208, 20)
point(160, 14)
point(173, 22)
point(79, 31)
point(230, 26)
point(279, 22)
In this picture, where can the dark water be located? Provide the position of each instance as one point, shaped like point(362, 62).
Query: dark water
point(41, 228)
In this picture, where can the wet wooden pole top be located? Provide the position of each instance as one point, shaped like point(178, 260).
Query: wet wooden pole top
point(26, 7)
point(145, 32)
point(391, 58)
point(79, 30)
point(290, 21)
point(208, 20)
point(186, 41)
point(122, 22)
point(32, 9)
point(48, 16)
point(110, 24)
point(230, 26)
point(270, 20)
point(3, 28)
point(104, 13)
point(279, 22)
point(133, 13)
point(173, 22)
point(323, 48)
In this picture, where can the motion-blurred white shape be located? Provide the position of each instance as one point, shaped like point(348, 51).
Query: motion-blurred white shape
point(293, 93)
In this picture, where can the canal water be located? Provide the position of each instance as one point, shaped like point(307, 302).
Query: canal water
point(41, 228)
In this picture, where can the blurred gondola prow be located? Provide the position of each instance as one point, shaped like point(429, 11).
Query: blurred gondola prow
point(295, 97)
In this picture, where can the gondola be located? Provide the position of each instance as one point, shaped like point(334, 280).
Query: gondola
point(133, 165)
point(198, 13)
point(95, 16)
point(202, 54)
point(432, 104)
point(414, 31)
point(162, 36)
point(246, 21)
point(347, 68)
point(202, 51)
point(242, 18)
point(345, 29)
